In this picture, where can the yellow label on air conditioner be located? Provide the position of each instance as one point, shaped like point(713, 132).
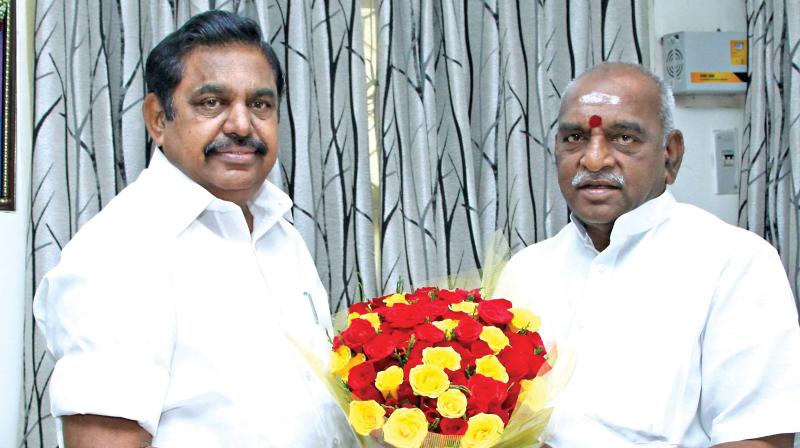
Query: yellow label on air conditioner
point(708, 77)
point(738, 52)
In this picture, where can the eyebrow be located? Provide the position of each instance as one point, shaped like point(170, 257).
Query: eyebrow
point(630, 126)
point(570, 127)
point(264, 92)
point(627, 126)
point(210, 88)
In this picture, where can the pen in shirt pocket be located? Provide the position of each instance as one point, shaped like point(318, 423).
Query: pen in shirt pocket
point(313, 308)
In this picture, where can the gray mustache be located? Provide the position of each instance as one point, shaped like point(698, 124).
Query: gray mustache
point(224, 142)
point(583, 175)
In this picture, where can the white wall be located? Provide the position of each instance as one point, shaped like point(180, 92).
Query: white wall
point(13, 228)
point(698, 116)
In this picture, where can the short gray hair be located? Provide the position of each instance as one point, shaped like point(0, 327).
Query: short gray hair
point(667, 107)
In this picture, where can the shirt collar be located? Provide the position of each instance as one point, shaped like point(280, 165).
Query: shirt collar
point(182, 200)
point(639, 220)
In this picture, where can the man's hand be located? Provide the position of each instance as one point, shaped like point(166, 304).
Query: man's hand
point(774, 441)
point(95, 431)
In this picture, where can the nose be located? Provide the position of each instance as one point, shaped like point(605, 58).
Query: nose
point(238, 121)
point(598, 155)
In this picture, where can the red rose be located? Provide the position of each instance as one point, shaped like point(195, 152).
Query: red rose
point(485, 391)
point(468, 330)
point(400, 338)
point(537, 343)
point(361, 376)
point(378, 302)
point(360, 308)
point(453, 426)
point(495, 312)
point(428, 332)
point(497, 409)
point(358, 333)
point(404, 316)
point(405, 392)
point(422, 295)
point(337, 342)
point(368, 393)
point(519, 340)
point(383, 364)
point(428, 406)
point(511, 400)
point(480, 348)
point(459, 295)
point(434, 310)
point(539, 366)
point(517, 359)
point(456, 377)
point(379, 347)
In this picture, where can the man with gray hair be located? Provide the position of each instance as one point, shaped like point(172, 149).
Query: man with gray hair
point(683, 329)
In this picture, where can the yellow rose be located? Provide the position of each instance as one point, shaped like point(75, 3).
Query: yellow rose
point(340, 358)
point(406, 428)
point(483, 430)
point(444, 357)
point(354, 361)
point(366, 416)
point(464, 307)
point(452, 403)
point(490, 366)
point(533, 393)
point(428, 381)
point(373, 318)
point(494, 337)
point(446, 325)
point(395, 298)
point(524, 320)
point(387, 381)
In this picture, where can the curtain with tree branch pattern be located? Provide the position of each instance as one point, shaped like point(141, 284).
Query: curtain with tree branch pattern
point(463, 93)
point(769, 196)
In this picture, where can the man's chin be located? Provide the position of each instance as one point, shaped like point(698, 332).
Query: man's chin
point(597, 218)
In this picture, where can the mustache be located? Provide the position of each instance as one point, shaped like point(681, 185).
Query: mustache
point(225, 142)
point(584, 175)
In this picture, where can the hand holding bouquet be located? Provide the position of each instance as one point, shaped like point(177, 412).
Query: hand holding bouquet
point(441, 367)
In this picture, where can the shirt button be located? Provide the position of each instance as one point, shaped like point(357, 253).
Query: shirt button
point(602, 267)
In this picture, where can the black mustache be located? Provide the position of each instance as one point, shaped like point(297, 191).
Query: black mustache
point(224, 142)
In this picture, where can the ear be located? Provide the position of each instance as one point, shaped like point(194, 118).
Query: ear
point(154, 118)
point(673, 155)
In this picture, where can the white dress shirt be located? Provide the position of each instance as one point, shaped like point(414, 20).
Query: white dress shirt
point(166, 310)
point(684, 330)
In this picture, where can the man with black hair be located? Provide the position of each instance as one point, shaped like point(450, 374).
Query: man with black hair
point(176, 314)
point(682, 328)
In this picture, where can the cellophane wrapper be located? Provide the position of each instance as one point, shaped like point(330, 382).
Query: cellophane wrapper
point(527, 426)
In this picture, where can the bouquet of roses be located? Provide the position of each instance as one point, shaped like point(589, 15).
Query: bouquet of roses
point(440, 367)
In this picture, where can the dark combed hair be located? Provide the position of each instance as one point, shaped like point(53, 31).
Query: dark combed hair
point(165, 64)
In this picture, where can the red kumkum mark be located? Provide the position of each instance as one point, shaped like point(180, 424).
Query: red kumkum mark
point(595, 121)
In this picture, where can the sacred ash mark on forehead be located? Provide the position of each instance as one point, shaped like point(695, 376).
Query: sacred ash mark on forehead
point(599, 98)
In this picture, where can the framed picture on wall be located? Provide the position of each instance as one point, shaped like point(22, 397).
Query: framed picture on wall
point(7, 166)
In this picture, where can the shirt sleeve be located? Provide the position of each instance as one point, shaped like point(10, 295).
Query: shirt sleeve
point(750, 363)
point(110, 326)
